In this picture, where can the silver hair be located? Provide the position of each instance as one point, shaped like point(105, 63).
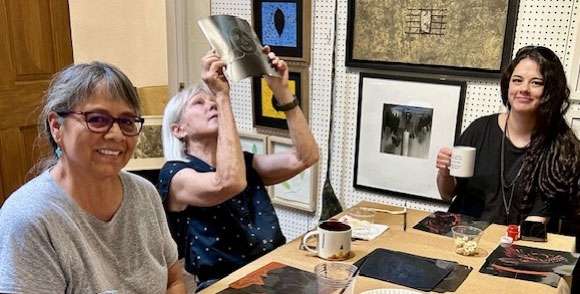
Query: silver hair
point(173, 147)
point(75, 84)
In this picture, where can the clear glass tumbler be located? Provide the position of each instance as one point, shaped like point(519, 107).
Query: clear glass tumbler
point(335, 277)
point(361, 220)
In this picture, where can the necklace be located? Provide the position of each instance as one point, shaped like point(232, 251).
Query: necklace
point(507, 204)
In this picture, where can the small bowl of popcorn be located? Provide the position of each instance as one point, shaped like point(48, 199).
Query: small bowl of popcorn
point(466, 239)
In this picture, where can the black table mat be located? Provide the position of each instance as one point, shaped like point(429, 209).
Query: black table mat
point(454, 279)
point(421, 273)
point(440, 223)
point(531, 264)
point(275, 278)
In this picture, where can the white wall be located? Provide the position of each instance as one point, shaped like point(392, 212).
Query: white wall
point(130, 34)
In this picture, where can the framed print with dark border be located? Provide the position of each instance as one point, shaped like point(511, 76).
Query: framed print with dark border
point(148, 154)
point(402, 123)
point(442, 37)
point(264, 113)
point(284, 25)
point(298, 192)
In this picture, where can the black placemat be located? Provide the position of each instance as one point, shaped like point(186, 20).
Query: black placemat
point(441, 223)
point(454, 279)
point(531, 264)
point(409, 270)
point(274, 278)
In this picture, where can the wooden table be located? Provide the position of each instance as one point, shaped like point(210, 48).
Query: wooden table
point(418, 243)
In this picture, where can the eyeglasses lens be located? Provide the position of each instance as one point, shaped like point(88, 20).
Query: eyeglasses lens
point(101, 123)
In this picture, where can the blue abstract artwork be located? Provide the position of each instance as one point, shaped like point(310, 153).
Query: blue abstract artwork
point(279, 24)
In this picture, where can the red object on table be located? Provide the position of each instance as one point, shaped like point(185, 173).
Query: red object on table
point(513, 231)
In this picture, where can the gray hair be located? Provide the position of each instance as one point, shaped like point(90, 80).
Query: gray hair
point(173, 147)
point(75, 84)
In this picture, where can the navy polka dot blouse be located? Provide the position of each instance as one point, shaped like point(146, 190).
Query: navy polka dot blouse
point(216, 241)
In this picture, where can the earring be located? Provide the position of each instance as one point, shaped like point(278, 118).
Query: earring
point(58, 152)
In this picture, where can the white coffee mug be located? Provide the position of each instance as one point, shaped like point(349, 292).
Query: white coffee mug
point(462, 161)
point(333, 240)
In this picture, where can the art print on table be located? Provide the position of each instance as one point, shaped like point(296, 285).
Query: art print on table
point(298, 192)
point(253, 143)
point(402, 123)
point(273, 278)
point(148, 154)
point(435, 36)
point(531, 264)
point(264, 113)
point(284, 25)
point(440, 223)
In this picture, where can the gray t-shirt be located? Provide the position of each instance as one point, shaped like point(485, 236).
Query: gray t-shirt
point(48, 244)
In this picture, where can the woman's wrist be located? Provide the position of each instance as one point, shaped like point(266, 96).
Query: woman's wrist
point(285, 97)
point(444, 176)
point(222, 97)
point(285, 107)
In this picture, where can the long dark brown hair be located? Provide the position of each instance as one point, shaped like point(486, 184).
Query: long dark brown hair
point(552, 160)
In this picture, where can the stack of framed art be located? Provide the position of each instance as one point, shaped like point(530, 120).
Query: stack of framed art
point(284, 25)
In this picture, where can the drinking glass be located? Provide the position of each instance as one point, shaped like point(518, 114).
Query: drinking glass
point(335, 277)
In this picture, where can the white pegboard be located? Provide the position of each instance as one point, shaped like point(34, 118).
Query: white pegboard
point(544, 23)
point(540, 22)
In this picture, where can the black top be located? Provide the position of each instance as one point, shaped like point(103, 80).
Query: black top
point(480, 196)
point(217, 240)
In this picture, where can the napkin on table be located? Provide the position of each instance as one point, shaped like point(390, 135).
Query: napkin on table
point(363, 229)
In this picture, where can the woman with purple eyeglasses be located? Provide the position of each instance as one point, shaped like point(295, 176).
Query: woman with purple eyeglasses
point(84, 225)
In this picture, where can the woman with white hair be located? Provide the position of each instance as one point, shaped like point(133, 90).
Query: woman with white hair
point(219, 211)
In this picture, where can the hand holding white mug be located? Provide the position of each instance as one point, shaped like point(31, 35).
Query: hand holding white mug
point(444, 161)
point(458, 162)
point(462, 161)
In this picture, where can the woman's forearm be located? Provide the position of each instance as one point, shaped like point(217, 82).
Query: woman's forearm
point(230, 167)
point(446, 186)
point(304, 144)
point(302, 138)
point(175, 282)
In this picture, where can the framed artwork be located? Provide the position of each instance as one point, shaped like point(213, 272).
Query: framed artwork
point(574, 121)
point(573, 74)
point(264, 113)
point(284, 25)
point(253, 143)
point(402, 123)
point(440, 36)
point(298, 192)
point(148, 154)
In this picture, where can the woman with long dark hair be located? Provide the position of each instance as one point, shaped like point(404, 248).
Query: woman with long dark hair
point(527, 162)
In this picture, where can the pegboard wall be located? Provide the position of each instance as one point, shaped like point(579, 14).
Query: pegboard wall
point(548, 23)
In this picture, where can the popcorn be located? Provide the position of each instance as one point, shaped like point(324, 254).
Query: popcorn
point(464, 246)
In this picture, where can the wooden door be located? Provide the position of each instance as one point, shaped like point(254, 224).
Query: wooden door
point(35, 43)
